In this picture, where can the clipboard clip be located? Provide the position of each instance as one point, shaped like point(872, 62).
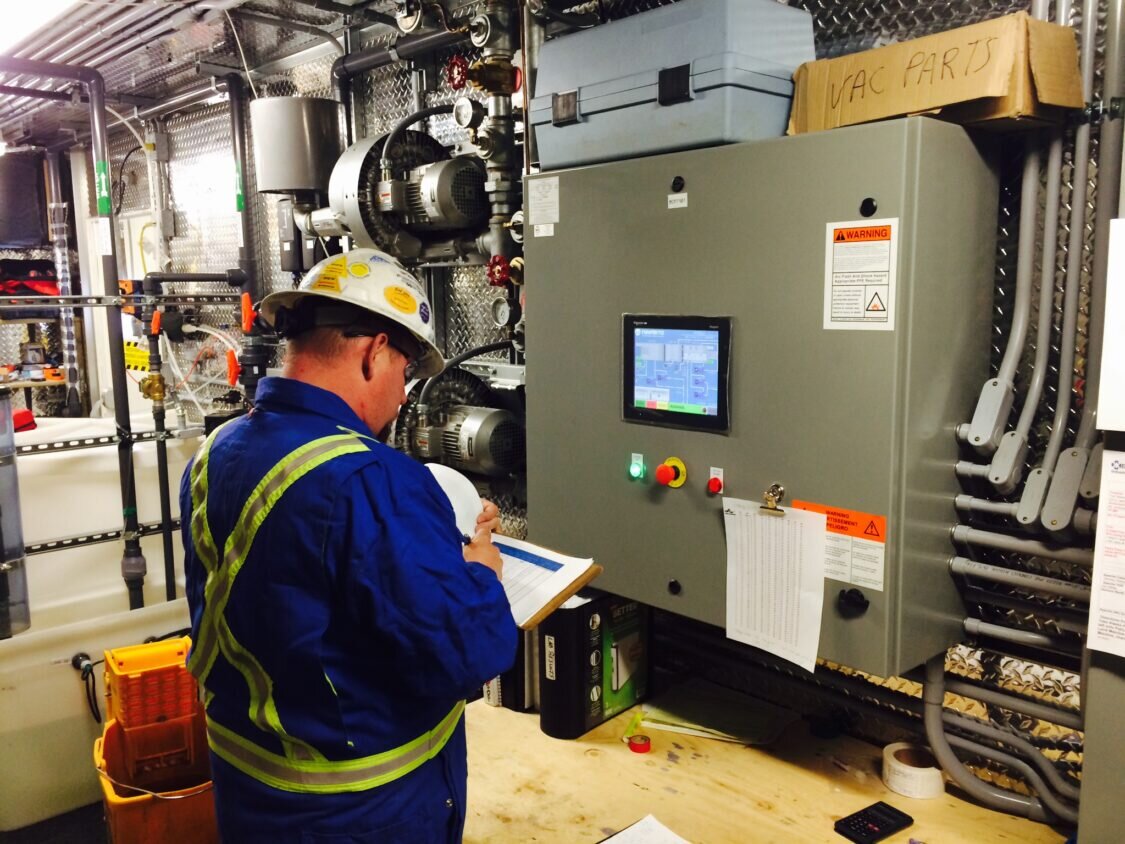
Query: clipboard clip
point(772, 497)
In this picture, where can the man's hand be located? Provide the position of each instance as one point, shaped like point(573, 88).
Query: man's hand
point(480, 549)
point(489, 518)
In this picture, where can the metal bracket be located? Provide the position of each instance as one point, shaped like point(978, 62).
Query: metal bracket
point(564, 108)
point(500, 376)
point(17, 302)
point(50, 545)
point(1098, 111)
point(89, 442)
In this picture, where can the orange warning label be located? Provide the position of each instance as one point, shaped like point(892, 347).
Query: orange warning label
point(860, 234)
point(849, 522)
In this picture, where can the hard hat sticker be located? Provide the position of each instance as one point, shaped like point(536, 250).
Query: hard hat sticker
point(401, 299)
point(359, 270)
point(424, 313)
point(328, 278)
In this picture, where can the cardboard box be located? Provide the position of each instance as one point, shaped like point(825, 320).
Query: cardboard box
point(1010, 72)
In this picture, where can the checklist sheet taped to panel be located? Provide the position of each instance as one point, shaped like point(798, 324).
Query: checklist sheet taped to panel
point(775, 579)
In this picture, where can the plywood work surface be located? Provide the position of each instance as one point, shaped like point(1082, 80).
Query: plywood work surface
point(526, 787)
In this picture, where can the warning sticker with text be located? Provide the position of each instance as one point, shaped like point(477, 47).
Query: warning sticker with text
point(855, 546)
point(860, 258)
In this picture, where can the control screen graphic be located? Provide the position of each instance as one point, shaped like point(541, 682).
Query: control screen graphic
point(675, 370)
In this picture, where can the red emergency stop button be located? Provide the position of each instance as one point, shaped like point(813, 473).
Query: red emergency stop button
point(715, 485)
point(671, 473)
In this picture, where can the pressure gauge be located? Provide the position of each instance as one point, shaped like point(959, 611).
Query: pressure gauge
point(505, 312)
point(468, 114)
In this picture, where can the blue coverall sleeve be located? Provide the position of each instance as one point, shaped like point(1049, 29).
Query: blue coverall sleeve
point(445, 623)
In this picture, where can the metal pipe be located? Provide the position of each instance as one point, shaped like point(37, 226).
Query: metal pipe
point(983, 505)
point(1048, 798)
point(1109, 193)
point(247, 263)
point(155, 390)
point(1024, 579)
point(279, 23)
point(1026, 749)
point(57, 215)
point(195, 95)
point(1016, 703)
point(972, 536)
point(402, 48)
point(36, 93)
point(976, 627)
point(1046, 287)
point(65, 49)
point(341, 9)
point(133, 566)
point(933, 696)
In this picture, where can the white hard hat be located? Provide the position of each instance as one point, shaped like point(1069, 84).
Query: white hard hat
point(376, 282)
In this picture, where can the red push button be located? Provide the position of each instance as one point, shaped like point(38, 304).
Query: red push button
point(715, 485)
point(665, 474)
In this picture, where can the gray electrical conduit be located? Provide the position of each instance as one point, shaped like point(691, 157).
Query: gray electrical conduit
point(933, 696)
point(1015, 577)
point(1075, 243)
point(1033, 547)
point(1047, 798)
point(1025, 748)
point(1029, 638)
point(997, 394)
point(1016, 703)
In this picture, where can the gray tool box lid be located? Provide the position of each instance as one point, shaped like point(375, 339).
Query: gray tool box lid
point(754, 44)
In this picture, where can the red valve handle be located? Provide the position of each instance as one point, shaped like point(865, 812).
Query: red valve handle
point(499, 271)
point(457, 72)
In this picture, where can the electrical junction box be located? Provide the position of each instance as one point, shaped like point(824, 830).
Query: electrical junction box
point(692, 74)
point(849, 275)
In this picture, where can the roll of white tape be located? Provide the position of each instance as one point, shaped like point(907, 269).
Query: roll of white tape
point(911, 771)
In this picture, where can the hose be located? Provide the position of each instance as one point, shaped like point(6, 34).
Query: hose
point(397, 132)
point(455, 361)
point(214, 332)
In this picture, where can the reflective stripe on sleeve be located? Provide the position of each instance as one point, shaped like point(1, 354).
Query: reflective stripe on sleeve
point(323, 776)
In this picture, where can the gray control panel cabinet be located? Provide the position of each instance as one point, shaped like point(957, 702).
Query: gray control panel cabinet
point(853, 419)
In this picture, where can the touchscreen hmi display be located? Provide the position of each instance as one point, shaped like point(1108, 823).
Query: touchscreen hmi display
point(676, 370)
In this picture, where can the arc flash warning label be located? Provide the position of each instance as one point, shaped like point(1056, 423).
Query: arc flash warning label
point(860, 262)
point(855, 548)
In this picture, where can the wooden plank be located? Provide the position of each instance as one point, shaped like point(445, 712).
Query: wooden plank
point(524, 786)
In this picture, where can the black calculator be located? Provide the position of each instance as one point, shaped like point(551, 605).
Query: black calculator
point(876, 822)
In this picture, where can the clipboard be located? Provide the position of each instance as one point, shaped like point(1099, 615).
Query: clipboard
point(577, 585)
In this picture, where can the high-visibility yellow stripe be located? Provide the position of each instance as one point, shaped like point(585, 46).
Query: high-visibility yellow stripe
point(216, 590)
point(323, 776)
point(214, 635)
point(201, 537)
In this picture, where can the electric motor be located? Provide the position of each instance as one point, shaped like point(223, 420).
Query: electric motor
point(484, 440)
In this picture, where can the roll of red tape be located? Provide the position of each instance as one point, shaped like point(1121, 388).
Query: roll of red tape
point(640, 744)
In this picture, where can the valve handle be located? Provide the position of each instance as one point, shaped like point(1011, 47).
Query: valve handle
point(457, 72)
point(499, 271)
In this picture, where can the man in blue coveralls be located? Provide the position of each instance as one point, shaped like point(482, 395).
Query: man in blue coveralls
point(338, 622)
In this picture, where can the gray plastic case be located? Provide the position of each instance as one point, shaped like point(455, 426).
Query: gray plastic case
point(741, 53)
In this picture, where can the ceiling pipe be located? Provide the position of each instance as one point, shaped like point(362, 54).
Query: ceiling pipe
point(309, 29)
point(353, 11)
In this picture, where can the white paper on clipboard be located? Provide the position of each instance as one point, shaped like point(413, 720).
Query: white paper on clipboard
point(775, 579)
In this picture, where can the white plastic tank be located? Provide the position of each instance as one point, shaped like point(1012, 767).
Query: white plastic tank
point(78, 604)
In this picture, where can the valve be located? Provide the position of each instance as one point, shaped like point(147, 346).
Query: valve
point(499, 271)
point(457, 72)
